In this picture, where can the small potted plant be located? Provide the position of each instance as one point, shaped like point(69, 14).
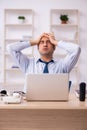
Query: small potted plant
point(21, 19)
point(64, 18)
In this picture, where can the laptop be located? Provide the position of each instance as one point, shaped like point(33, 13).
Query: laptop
point(47, 87)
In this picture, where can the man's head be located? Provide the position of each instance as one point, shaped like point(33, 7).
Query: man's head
point(45, 47)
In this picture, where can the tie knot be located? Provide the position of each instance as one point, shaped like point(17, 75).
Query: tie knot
point(45, 61)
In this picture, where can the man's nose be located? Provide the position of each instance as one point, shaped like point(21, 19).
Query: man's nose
point(45, 43)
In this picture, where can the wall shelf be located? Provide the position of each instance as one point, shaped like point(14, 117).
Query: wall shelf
point(68, 32)
point(14, 32)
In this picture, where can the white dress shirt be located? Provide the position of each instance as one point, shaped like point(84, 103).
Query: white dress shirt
point(32, 65)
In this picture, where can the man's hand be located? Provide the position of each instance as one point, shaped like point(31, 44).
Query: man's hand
point(48, 35)
point(51, 38)
point(36, 41)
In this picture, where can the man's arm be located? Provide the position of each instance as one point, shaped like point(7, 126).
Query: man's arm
point(15, 51)
point(73, 52)
point(21, 60)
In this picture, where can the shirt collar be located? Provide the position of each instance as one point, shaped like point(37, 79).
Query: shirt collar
point(37, 60)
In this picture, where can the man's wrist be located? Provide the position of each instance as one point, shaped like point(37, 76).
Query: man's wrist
point(33, 42)
point(55, 43)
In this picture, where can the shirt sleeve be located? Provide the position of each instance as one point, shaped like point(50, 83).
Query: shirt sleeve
point(73, 52)
point(21, 60)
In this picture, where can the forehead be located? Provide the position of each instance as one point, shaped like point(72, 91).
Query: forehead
point(44, 38)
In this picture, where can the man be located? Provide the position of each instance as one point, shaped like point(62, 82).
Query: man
point(45, 64)
point(46, 46)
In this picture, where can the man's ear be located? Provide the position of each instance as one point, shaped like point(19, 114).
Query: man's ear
point(38, 46)
point(54, 47)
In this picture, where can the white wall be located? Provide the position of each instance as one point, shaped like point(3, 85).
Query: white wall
point(41, 10)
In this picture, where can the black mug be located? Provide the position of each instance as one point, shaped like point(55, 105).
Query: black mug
point(82, 90)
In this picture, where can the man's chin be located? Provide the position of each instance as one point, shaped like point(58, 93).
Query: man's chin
point(44, 53)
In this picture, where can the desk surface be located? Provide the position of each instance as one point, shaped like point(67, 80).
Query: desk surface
point(73, 103)
point(71, 115)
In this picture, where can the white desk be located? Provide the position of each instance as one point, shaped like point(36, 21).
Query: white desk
point(71, 115)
